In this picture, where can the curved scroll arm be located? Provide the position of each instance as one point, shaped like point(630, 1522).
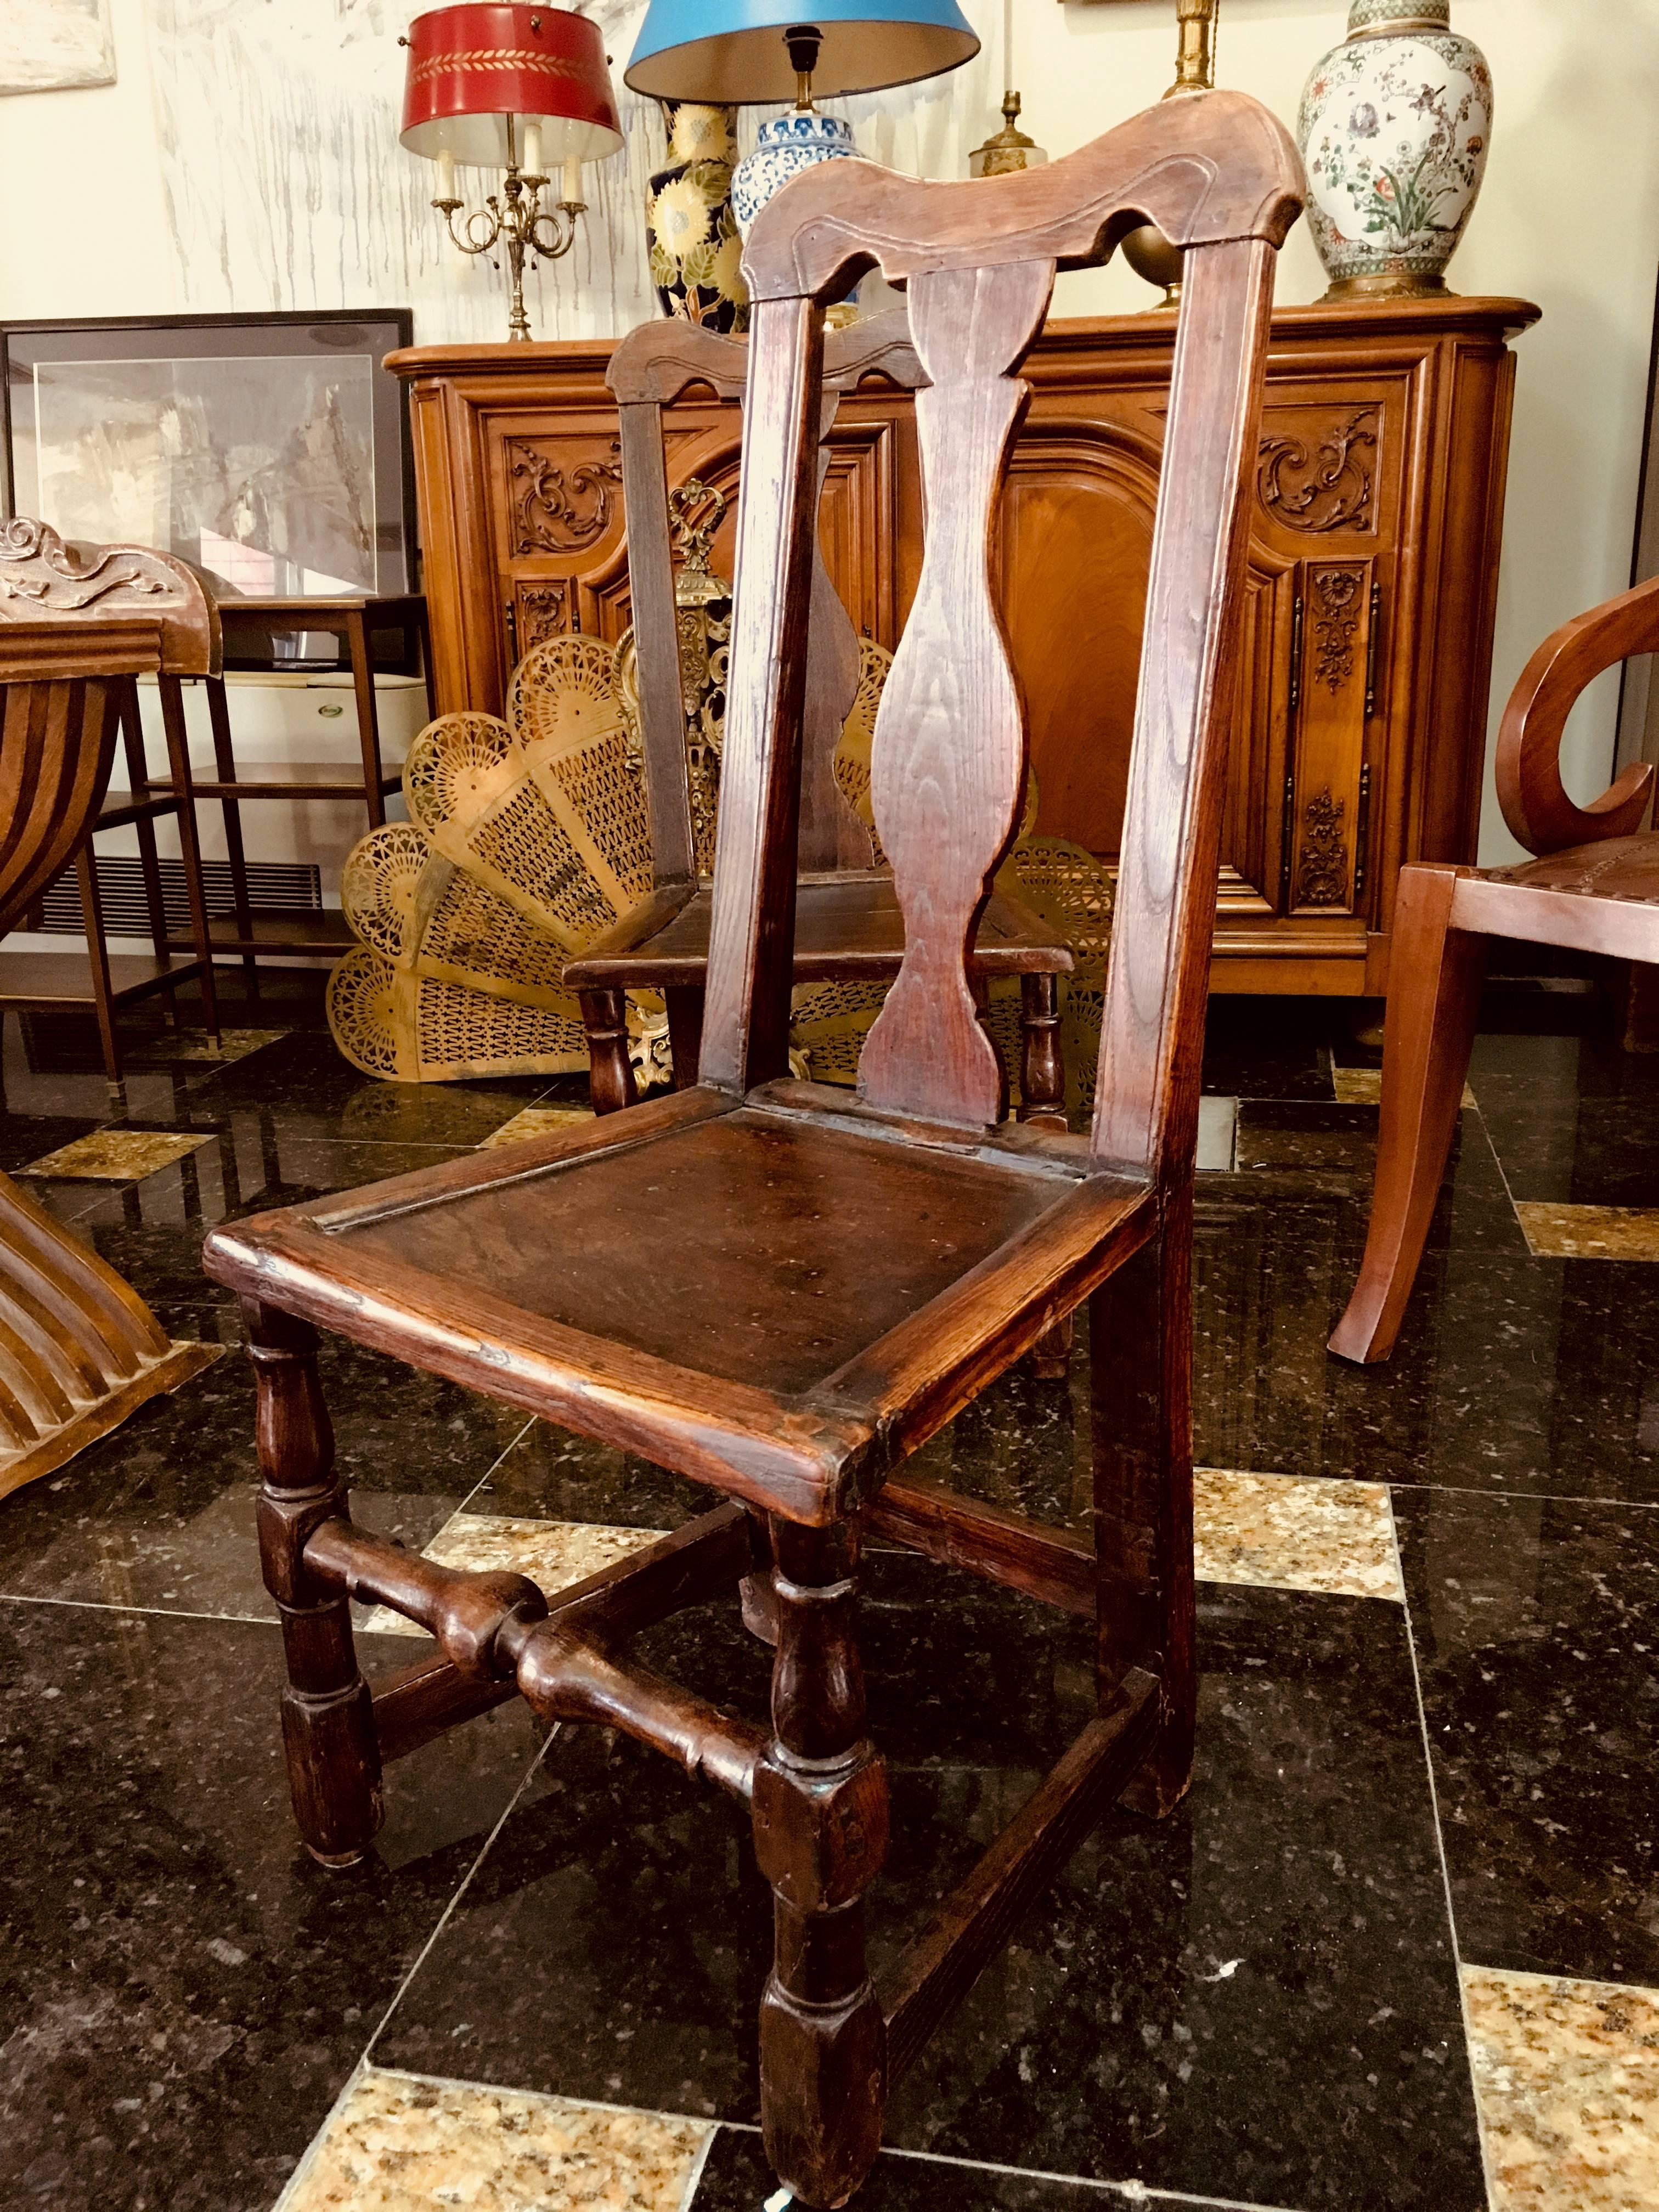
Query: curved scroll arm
point(1213, 167)
point(1535, 805)
point(42, 580)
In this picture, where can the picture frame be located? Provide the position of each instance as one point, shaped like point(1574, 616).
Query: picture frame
point(271, 450)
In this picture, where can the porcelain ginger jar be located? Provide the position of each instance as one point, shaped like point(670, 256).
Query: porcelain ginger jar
point(690, 231)
point(1394, 130)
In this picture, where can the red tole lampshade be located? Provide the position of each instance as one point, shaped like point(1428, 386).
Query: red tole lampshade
point(471, 66)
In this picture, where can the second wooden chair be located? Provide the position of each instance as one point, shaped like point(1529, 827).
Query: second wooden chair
point(849, 927)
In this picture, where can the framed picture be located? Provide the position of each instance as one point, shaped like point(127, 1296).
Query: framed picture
point(55, 45)
point(272, 450)
point(1638, 693)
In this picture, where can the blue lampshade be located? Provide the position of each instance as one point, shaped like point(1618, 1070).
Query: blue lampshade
point(729, 52)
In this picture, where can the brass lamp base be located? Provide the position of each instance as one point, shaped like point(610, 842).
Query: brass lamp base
point(1151, 255)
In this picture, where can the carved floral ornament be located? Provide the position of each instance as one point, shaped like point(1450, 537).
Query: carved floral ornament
point(1339, 602)
point(557, 511)
point(1328, 487)
point(1322, 877)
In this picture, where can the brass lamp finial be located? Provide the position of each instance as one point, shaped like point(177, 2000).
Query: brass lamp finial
point(1147, 250)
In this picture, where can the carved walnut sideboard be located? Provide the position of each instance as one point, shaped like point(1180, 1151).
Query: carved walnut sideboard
point(1360, 712)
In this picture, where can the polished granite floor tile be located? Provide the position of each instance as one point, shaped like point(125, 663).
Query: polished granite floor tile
point(1575, 1120)
point(1259, 1992)
point(1566, 2073)
point(1270, 1048)
point(549, 1474)
point(1554, 1231)
point(536, 1121)
point(737, 2179)
point(302, 1080)
point(115, 1156)
point(183, 1993)
point(399, 2143)
point(161, 1513)
point(191, 1044)
point(1286, 1533)
point(553, 1553)
point(1362, 1086)
point(1536, 1622)
point(152, 1234)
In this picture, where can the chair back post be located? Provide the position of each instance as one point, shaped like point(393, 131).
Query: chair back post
point(649, 369)
point(1220, 177)
point(1157, 973)
point(1536, 807)
point(76, 626)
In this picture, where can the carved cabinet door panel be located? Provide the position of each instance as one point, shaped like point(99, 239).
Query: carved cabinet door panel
point(1077, 538)
point(1332, 690)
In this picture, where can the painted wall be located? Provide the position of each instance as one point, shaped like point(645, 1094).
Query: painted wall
point(248, 159)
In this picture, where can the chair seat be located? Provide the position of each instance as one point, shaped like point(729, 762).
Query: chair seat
point(846, 925)
point(1615, 868)
point(781, 1295)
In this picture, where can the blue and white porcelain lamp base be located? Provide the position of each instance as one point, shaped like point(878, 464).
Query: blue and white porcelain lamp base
point(788, 144)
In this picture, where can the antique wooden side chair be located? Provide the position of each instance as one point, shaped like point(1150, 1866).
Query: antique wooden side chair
point(1594, 888)
point(847, 923)
point(79, 1349)
point(778, 1289)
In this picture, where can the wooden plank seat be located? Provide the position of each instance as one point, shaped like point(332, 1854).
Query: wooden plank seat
point(1594, 887)
point(848, 925)
point(780, 1290)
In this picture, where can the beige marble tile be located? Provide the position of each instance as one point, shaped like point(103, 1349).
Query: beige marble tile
point(1294, 1532)
point(117, 1155)
point(1589, 1232)
point(536, 1121)
point(1362, 1086)
point(553, 1553)
point(1566, 2078)
point(398, 2143)
point(197, 1044)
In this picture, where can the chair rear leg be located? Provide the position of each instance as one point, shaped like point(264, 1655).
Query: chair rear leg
point(1435, 974)
point(610, 1071)
point(328, 1715)
point(1141, 1353)
point(820, 1811)
point(1043, 1103)
point(685, 1002)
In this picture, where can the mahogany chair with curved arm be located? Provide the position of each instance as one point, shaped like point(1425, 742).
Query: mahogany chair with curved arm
point(79, 1348)
point(1594, 887)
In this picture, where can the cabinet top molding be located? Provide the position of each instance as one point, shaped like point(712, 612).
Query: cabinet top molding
point(1495, 318)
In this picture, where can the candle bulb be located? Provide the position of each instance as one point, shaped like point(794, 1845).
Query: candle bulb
point(446, 173)
point(531, 164)
point(572, 186)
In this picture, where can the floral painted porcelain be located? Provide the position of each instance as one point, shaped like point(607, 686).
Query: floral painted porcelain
point(693, 241)
point(1394, 130)
point(789, 143)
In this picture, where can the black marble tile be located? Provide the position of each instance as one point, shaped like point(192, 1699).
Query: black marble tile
point(1574, 1120)
point(1271, 1047)
point(1258, 1995)
point(51, 1069)
point(735, 2178)
point(1537, 1626)
point(161, 1513)
point(151, 1231)
point(548, 1474)
point(304, 1084)
point(184, 1992)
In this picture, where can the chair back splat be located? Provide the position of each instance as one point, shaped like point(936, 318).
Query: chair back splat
point(1220, 178)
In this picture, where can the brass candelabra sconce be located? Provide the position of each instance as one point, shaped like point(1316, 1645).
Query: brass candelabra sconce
point(1147, 250)
point(514, 221)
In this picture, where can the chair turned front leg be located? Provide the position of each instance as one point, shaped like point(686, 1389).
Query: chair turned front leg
point(1140, 1340)
point(328, 1715)
point(820, 1837)
point(609, 1070)
point(1435, 974)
